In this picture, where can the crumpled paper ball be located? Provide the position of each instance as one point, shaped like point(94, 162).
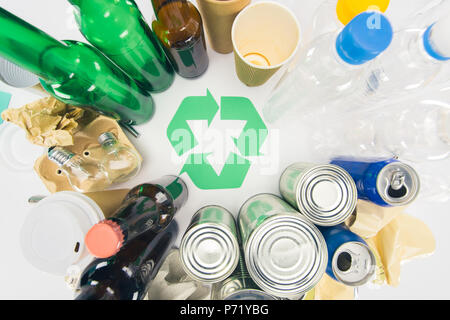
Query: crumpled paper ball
point(172, 282)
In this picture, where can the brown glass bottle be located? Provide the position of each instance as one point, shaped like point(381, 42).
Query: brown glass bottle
point(179, 27)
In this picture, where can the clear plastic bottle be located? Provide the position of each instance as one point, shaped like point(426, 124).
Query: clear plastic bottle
point(120, 162)
point(333, 15)
point(332, 66)
point(84, 175)
point(418, 132)
point(414, 59)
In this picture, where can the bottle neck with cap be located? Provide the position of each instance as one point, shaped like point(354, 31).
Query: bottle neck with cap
point(436, 40)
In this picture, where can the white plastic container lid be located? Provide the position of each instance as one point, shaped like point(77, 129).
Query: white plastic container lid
point(17, 153)
point(15, 76)
point(52, 237)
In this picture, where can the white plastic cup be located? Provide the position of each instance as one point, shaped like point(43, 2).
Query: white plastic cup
point(52, 237)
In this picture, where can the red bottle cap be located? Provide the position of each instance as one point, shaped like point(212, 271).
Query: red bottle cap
point(104, 239)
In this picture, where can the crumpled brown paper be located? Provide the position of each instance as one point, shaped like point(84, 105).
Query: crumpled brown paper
point(403, 239)
point(370, 218)
point(49, 122)
point(393, 236)
point(172, 282)
point(85, 144)
point(330, 289)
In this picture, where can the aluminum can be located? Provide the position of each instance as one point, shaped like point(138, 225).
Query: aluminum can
point(285, 254)
point(350, 260)
point(386, 183)
point(209, 249)
point(324, 194)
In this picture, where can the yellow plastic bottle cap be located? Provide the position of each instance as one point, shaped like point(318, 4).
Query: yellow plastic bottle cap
point(346, 10)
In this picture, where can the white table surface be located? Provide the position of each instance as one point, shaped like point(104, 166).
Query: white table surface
point(423, 278)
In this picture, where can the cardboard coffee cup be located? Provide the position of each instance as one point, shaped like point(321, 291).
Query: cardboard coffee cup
point(218, 16)
point(266, 36)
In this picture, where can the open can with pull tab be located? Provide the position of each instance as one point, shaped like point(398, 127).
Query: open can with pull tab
point(387, 183)
point(350, 260)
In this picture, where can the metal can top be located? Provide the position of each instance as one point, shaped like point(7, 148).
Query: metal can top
point(286, 256)
point(326, 195)
point(398, 184)
point(353, 264)
point(209, 251)
point(250, 294)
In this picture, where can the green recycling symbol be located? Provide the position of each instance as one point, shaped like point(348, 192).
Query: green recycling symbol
point(247, 144)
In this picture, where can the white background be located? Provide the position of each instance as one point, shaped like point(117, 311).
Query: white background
point(421, 279)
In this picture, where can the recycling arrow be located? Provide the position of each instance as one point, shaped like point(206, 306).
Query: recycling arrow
point(192, 108)
point(255, 131)
point(248, 144)
point(204, 177)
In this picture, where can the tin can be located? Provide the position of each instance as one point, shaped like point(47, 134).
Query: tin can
point(325, 194)
point(350, 260)
point(209, 249)
point(386, 183)
point(239, 286)
point(285, 254)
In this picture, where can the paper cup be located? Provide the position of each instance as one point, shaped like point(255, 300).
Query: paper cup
point(219, 16)
point(265, 36)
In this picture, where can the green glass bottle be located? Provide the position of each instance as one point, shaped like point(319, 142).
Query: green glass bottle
point(74, 72)
point(118, 29)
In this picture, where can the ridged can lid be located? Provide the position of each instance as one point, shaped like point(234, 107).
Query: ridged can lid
point(286, 256)
point(353, 264)
point(209, 252)
point(326, 195)
point(398, 184)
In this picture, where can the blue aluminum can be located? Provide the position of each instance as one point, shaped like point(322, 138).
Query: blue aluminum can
point(350, 260)
point(386, 183)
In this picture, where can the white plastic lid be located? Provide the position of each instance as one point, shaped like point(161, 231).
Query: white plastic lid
point(52, 237)
point(17, 153)
point(15, 76)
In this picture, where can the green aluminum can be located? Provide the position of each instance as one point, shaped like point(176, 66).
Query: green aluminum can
point(285, 254)
point(209, 249)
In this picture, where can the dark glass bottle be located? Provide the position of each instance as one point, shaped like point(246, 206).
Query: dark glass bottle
point(118, 29)
point(179, 27)
point(147, 207)
point(128, 274)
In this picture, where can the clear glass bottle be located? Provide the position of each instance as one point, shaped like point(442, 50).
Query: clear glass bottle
point(120, 162)
point(84, 175)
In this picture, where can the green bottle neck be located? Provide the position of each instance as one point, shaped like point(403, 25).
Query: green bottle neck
point(24, 44)
point(75, 2)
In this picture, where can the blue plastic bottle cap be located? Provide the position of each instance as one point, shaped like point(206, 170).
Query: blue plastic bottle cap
point(429, 47)
point(364, 38)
